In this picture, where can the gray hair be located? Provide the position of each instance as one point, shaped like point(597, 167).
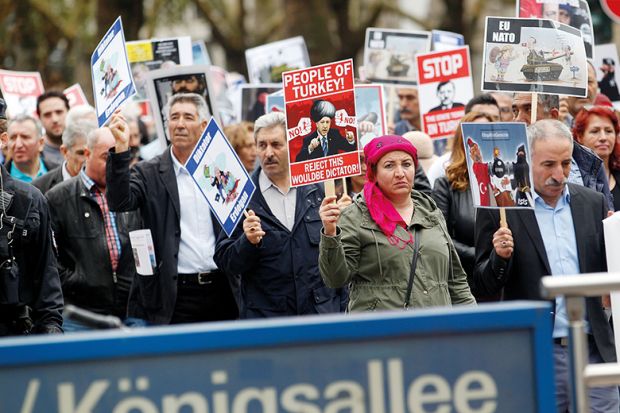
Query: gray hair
point(547, 129)
point(268, 121)
point(27, 118)
point(78, 129)
point(81, 112)
point(196, 99)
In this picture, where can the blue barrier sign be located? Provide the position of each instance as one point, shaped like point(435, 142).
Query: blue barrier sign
point(493, 358)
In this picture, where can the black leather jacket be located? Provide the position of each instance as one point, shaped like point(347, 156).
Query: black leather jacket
point(83, 258)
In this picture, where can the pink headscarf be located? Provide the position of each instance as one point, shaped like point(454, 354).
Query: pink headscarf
point(381, 209)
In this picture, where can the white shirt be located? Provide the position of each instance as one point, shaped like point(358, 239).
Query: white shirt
point(65, 173)
point(281, 205)
point(197, 243)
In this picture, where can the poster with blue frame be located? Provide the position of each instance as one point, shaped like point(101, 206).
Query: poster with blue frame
point(498, 162)
point(111, 74)
point(221, 177)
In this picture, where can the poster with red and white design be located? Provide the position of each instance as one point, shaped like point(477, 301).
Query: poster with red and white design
point(76, 95)
point(321, 126)
point(444, 87)
point(20, 91)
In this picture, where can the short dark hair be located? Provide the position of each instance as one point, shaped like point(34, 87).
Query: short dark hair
point(51, 94)
point(483, 99)
point(322, 108)
point(442, 84)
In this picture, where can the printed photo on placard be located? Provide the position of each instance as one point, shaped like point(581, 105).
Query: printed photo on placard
point(267, 62)
point(76, 95)
point(498, 161)
point(533, 55)
point(444, 87)
point(200, 53)
point(153, 54)
point(370, 110)
point(389, 55)
point(275, 102)
point(20, 91)
point(321, 123)
point(605, 63)
point(163, 83)
point(111, 74)
point(575, 13)
point(254, 98)
point(221, 177)
point(443, 40)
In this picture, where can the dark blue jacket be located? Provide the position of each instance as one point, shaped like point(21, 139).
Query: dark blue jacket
point(280, 276)
point(592, 172)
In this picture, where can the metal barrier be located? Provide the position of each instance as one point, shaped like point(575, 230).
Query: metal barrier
point(574, 288)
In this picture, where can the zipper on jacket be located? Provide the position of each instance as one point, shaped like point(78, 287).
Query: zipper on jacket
point(114, 278)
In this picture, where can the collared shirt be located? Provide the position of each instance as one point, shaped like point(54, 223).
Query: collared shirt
point(281, 205)
point(197, 243)
point(65, 173)
point(558, 234)
point(109, 219)
point(17, 174)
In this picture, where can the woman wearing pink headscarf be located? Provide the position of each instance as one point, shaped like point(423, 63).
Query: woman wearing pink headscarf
point(391, 245)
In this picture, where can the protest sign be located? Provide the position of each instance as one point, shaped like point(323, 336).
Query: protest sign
point(389, 55)
point(575, 13)
point(533, 55)
point(221, 177)
point(163, 83)
point(153, 54)
point(76, 95)
point(321, 123)
point(200, 54)
point(112, 80)
point(605, 64)
point(444, 86)
point(370, 110)
point(498, 161)
point(275, 102)
point(253, 100)
point(20, 91)
point(443, 40)
point(223, 91)
point(266, 63)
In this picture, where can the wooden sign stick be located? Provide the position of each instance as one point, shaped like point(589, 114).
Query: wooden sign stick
point(534, 108)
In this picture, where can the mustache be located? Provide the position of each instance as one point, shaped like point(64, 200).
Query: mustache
point(555, 182)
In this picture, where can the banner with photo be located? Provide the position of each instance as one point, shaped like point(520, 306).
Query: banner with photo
point(221, 177)
point(389, 54)
point(254, 99)
point(76, 95)
point(533, 55)
point(111, 74)
point(320, 123)
point(498, 161)
point(147, 55)
point(275, 102)
point(575, 13)
point(606, 59)
point(20, 91)
point(444, 87)
point(267, 62)
point(370, 110)
point(164, 83)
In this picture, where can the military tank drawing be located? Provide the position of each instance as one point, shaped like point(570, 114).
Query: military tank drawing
point(540, 68)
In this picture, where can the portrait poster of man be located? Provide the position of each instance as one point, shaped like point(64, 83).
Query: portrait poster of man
point(111, 75)
point(75, 95)
point(267, 62)
point(275, 102)
point(221, 177)
point(321, 126)
point(444, 83)
point(533, 55)
point(254, 99)
point(606, 63)
point(163, 83)
point(443, 40)
point(498, 162)
point(147, 55)
point(389, 54)
point(370, 110)
point(575, 13)
point(20, 91)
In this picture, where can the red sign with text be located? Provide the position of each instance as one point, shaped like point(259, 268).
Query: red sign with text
point(20, 91)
